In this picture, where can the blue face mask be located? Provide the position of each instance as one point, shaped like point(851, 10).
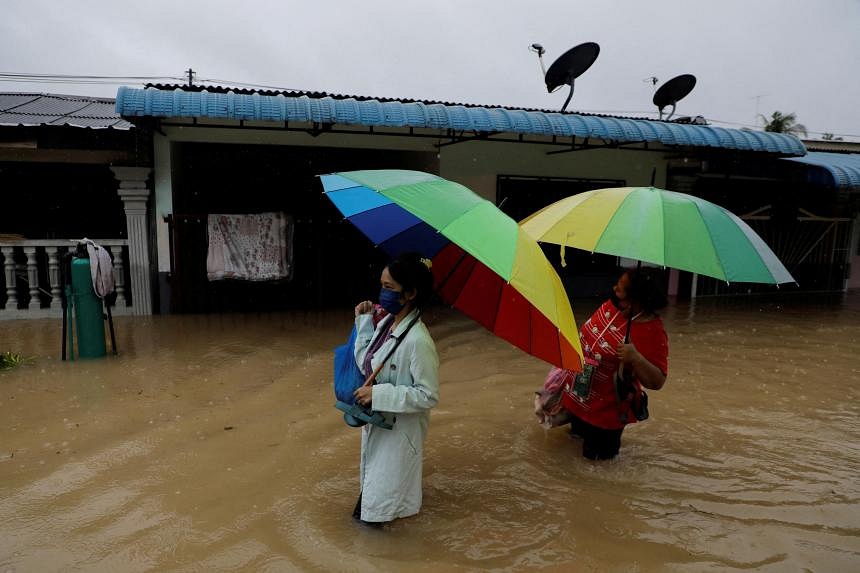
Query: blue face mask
point(390, 300)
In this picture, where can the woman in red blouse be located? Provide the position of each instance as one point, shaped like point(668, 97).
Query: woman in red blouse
point(591, 399)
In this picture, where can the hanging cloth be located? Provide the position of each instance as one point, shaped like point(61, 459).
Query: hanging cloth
point(101, 268)
point(253, 247)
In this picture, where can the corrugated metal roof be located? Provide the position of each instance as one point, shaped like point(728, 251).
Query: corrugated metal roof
point(287, 106)
point(843, 168)
point(837, 146)
point(18, 109)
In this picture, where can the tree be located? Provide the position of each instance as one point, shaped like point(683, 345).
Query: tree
point(783, 123)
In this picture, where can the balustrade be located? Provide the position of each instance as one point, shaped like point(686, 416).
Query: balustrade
point(20, 291)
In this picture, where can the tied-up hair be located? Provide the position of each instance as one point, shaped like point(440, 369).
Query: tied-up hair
point(647, 288)
point(412, 272)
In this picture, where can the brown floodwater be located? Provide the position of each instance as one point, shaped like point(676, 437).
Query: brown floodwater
point(211, 444)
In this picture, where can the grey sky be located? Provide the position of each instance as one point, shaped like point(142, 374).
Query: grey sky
point(799, 56)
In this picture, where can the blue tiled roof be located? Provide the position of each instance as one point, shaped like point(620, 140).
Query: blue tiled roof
point(280, 107)
point(842, 168)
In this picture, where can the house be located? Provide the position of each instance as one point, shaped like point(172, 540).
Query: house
point(67, 170)
point(224, 150)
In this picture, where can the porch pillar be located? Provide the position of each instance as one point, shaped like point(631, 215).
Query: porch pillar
point(134, 195)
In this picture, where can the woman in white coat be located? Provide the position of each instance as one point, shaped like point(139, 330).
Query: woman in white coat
point(404, 391)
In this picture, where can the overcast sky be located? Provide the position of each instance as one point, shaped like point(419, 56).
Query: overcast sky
point(750, 56)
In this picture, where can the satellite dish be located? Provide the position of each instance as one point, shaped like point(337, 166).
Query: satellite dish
point(673, 91)
point(569, 66)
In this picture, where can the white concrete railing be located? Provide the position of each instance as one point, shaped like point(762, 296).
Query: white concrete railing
point(25, 262)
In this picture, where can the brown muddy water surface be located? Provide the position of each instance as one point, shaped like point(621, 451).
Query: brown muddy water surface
point(211, 444)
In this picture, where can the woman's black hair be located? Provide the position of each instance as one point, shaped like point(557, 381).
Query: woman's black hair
point(647, 288)
point(411, 272)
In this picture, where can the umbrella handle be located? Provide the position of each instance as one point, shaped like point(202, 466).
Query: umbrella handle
point(630, 322)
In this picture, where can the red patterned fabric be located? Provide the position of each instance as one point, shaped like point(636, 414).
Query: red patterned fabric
point(600, 336)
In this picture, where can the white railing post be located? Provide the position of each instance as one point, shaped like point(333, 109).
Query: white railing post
point(54, 275)
point(119, 276)
point(32, 277)
point(11, 286)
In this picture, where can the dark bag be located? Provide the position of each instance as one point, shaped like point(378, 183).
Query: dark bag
point(626, 390)
point(639, 405)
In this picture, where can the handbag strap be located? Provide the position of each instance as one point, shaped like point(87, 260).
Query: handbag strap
point(398, 339)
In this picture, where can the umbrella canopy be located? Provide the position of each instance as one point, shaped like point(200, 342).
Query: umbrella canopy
point(660, 227)
point(483, 263)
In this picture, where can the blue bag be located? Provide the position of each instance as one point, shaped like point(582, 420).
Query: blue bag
point(347, 375)
point(348, 378)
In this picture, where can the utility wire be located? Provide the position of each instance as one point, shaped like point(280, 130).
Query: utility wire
point(66, 77)
point(243, 84)
point(68, 82)
point(118, 80)
point(69, 78)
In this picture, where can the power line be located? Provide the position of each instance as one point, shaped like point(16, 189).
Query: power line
point(66, 77)
point(244, 84)
point(808, 131)
point(117, 80)
point(68, 82)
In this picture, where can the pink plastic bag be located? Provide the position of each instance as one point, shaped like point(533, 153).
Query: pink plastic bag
point(548, 408)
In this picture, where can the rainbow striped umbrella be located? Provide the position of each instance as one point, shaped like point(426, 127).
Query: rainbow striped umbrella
point(483, 263)
point(660, 227)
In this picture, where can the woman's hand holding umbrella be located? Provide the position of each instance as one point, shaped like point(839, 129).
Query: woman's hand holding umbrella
point(649, 375)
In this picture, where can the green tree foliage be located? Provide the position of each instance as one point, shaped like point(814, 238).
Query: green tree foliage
point(783, 123)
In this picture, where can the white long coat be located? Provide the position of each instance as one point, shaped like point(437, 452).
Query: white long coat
point(406, 389)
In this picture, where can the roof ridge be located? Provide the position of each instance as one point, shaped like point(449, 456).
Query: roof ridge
point(383, 99)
